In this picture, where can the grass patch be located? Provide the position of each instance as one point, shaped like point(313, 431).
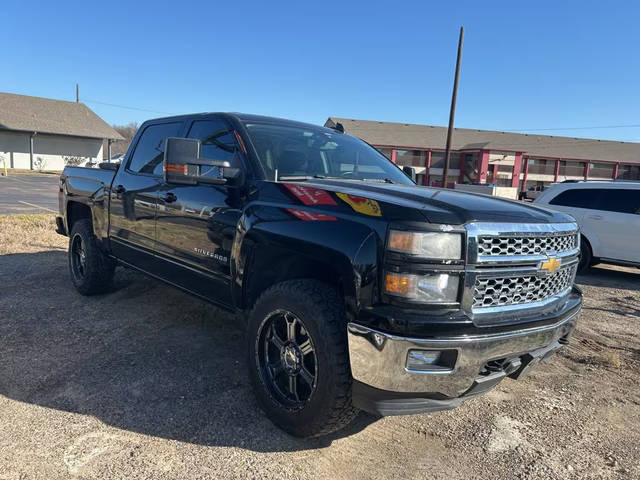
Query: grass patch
point(29, 233)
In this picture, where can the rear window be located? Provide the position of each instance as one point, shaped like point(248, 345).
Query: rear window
point(609, 200)
point(620, 200)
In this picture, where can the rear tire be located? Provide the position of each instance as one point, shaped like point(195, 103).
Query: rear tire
point(297, 330)
point(91, 269)
point(586, 257)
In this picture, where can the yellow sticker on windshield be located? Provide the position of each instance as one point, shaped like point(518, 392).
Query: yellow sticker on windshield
point(362, 205)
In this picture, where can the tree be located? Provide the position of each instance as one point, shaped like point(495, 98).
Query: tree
point(128, 131)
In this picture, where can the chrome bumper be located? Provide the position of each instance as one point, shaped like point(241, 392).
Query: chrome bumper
point(379, 359)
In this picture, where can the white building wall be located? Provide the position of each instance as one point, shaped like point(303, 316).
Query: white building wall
point(48, 150)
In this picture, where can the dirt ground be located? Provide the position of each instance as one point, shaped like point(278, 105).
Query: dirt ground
point(146, 382)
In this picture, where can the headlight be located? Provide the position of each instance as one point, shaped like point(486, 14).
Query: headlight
point(429, 288)
point(436, 245)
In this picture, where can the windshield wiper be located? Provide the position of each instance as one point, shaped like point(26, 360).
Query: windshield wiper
point(299, 177)
point(380, 180)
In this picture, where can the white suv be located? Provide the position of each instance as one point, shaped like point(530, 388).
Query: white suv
point(609, 217)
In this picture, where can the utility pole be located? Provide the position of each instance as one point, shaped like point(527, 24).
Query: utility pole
point(77, 93)
point(452, 112)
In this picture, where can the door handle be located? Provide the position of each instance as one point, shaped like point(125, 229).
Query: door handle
point(595, 217)
point(120, 190)
point(169, 197)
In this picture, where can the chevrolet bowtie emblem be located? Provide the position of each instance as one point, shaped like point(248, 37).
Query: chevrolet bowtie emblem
point(550, 265)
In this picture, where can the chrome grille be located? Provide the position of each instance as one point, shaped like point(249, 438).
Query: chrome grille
point(512, 289)
point(526, 245)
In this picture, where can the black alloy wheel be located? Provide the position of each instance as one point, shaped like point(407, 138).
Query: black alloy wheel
point(287, 359)
point(298, 357)
point(78, 257)
point(90, 268)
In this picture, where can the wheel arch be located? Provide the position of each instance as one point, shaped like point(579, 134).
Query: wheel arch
point(345, 258)
point(77, 211)
point(291, 265)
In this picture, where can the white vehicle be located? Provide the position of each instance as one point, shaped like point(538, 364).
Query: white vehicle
point(608, 214)
point(90, 163)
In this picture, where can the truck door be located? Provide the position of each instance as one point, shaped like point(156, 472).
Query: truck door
point(196, 223)
point(134, 194)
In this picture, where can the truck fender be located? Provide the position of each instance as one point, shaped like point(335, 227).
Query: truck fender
point(269, 248)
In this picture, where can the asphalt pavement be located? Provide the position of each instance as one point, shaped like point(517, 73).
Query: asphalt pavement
point(28, 193)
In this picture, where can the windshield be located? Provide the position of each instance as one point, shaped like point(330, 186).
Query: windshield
point(301, 151)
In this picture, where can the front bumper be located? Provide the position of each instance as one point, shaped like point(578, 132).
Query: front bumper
point(383, 384)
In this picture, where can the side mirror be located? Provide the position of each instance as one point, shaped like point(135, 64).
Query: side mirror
point(409, 172)
point(109, 166)
point(184, 166)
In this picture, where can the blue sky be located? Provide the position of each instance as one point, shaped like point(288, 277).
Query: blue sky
point(526, 66)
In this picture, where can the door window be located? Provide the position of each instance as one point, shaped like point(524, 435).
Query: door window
point(217, 140)
point(577, 197)
point(149, 153)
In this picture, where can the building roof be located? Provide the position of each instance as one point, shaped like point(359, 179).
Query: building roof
point(44, 115)
point(427, 136)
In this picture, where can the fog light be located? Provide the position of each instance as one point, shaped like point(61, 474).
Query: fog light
point(431, 361)
point(422, 359)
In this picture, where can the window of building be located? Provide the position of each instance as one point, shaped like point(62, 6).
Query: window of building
point(454, 160)
point(571, 169)
point(149, 153)
point(600, 170)
point(437, 159)
point(411, 158)
point(470, 168)
point(218, 141)
point(386, 151)
point(629, 172)
point(541, 166)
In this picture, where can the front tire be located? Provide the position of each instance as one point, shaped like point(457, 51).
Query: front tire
point(586, 257)
point(91, 270)
point(298, 358)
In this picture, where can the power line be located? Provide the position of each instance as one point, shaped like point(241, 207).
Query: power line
point(126, 107)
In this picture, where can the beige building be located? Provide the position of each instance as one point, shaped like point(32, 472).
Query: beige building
point(44, 134)
point(506, 159)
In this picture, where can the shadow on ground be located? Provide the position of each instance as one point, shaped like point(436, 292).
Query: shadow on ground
point(144, 358)
point(613, 277)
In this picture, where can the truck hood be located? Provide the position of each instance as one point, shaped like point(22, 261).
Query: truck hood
point(441, 205)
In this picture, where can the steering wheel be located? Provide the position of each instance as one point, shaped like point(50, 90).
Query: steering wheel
point(348, 173)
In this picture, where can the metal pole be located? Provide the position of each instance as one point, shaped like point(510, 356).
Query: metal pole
point(452, 112)
point(77, 93)
point(31, 150)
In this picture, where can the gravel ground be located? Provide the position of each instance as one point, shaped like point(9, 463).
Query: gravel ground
point(146, 382)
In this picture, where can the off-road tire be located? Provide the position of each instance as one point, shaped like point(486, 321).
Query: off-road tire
point(98, 267)
point(319, 307)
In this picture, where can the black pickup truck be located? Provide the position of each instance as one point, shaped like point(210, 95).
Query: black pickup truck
point(357, 288)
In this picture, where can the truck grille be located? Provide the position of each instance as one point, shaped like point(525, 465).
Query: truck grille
point(529, 245)
point(497, 291)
